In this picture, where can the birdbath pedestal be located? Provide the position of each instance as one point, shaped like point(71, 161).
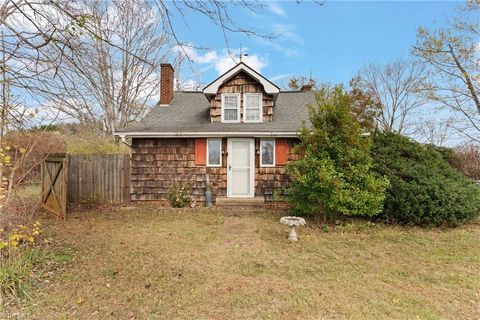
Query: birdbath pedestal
point(292, 222)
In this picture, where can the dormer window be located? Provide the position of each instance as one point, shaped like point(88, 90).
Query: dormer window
point(253, 107)
point(230, 107)
point(241, 95)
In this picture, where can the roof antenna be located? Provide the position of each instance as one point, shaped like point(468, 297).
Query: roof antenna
point(242, 54)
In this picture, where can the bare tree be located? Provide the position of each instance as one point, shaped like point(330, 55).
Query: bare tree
point(365, 107)
point(16, 161)
point(113, 83)
point(76, 54)
point(77, 57)
point(452, 57)
point(467, 160)
point(396, 87)
point(297, 82)
point(434, 131)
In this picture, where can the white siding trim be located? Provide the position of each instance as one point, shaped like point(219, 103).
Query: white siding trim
point(269, 87)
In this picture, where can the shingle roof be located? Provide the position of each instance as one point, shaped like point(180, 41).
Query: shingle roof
point(190, 112)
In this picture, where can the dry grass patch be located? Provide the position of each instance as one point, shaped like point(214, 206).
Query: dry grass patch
point(173, 264)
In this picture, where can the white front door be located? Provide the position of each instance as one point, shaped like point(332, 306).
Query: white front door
point(240, 167)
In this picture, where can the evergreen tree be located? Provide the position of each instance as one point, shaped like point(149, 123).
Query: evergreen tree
point(333, 173)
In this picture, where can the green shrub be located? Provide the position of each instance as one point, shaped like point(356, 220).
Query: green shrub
point(180, 197)
point(424, 189)
point(333, 173)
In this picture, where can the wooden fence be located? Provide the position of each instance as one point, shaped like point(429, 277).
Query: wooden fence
point(102, 178)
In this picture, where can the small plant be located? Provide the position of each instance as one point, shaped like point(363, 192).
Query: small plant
point(20, 252)
point(325, 227)
point(21, 235)
point(180, 196)
point(16, 270)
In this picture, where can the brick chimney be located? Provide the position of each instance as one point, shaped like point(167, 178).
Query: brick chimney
point(166, 83)
point(306, 87)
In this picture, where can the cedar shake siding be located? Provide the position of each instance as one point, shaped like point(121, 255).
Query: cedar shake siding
point(241, 83)
point(169, 145)
point(157, 163)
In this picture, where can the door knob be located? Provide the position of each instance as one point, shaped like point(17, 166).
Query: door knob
point(229, 167)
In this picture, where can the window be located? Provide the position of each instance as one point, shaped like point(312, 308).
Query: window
point(267, 152)
point(252, 103)
point(231, 107)
point(214, 152)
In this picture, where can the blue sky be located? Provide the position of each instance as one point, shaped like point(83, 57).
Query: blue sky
point(331, 42)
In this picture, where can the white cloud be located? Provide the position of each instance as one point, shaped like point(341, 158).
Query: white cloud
point(287, 42)
point(280, 77)
point(224, 60)
point(275, 44)
point(187, 85)
point(288, 32)
point(192, 53)
point(276, 9)
point(227, 62)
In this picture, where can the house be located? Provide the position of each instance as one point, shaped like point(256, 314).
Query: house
point(239, 130)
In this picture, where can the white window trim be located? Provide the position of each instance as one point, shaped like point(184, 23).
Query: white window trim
point(208, 153)
point(238, 107)
point(245, 107)
point(261, 154)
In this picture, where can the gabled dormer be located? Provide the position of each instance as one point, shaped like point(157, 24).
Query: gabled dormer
point(241, 95)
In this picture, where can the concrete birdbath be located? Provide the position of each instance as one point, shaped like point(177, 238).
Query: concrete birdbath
point(292, 222)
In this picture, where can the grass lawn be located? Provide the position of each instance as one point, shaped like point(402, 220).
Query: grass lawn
point(145, 263)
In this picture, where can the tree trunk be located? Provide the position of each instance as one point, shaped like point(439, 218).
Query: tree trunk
point(468, 80)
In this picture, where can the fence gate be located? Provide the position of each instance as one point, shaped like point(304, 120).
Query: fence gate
point(54, 185)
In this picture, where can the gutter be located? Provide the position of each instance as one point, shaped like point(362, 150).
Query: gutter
point(256, 134)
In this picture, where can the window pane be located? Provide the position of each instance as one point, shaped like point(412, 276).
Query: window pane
point(231, 102)
point(214, 151)
point(252, 114)
point(267, 152)
point(230, 114)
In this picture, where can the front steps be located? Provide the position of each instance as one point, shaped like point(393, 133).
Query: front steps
point(256, 203)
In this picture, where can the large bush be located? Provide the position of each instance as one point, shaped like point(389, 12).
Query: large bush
point(332, 175)
point(424, 189)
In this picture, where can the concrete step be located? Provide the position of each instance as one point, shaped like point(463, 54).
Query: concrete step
point(250, 203)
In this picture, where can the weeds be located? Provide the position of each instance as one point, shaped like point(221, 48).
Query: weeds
point(16, 270)
point(21, 250)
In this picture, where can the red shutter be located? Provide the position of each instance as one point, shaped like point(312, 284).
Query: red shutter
point(281, 150)
point(200, 151)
